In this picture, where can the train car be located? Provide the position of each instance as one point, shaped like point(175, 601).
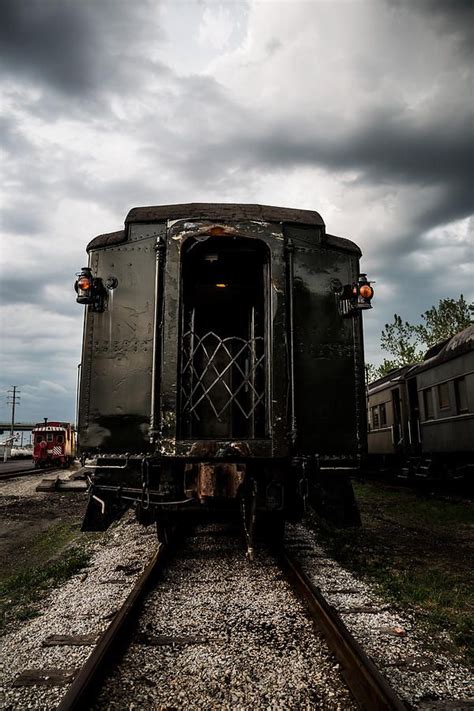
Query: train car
point(445, 386)
point(388, 406)
point(54, 444)
point(421, 417)
point(222, 363)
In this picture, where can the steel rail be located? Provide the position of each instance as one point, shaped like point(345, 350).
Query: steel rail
point(85, 683)
point(18, 472)
point(25, 472)
point(370, 689)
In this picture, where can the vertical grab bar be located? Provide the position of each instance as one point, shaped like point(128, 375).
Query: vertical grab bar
point(291, 339)
point(155, 367)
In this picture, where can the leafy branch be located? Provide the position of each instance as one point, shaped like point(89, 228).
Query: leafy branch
point(407, 343)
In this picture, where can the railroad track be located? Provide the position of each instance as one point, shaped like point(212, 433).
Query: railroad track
point(18, 472)
point(84, 685)
point(29, 472)
point(368, 687)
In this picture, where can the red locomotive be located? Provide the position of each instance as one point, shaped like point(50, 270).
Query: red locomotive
point(54, 444)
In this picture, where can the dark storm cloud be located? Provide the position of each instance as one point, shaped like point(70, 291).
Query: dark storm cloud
point(454, 18)
point(384, 148)
point(49, 40)
point(455, 203)
point(73, 47)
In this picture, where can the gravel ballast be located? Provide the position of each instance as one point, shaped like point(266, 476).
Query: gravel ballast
point(83, 605)
point(402, 651)
point(220, 633)
point(241, 639)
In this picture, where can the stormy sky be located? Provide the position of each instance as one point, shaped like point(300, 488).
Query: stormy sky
point(361, 110)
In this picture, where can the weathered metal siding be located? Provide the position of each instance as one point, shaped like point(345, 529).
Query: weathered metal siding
point(448, 431)
point(330, 417)
point(380, 439)
point(117, 357)
point(128, 344)
point(271, 235)
point(390, 438)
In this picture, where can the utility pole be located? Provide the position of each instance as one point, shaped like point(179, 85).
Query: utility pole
point(13, 400)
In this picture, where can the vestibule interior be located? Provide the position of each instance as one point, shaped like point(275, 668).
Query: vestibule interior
point(223, 388)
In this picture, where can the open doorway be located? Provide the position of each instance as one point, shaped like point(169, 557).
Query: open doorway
point(223, 388)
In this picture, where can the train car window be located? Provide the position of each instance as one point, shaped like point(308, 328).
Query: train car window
point(460, 391)
point(428, 404)
point(382, 415)
point(49, 436)
point(38, 439)
point(59, 439)
point(375, 417)
point(443, 396)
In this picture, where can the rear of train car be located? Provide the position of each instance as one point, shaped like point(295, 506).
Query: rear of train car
point(222, 362)
point(54, 444)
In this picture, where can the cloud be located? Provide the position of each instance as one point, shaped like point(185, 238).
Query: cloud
point(75, 48)
point(216, 27)
point(360, 110)
point(453, 18)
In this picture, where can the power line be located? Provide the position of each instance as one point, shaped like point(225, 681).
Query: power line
point(13, 400)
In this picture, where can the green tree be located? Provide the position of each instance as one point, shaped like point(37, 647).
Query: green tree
point(386, 367)
point(407, 343)
point(402, 341)
point(444, 320)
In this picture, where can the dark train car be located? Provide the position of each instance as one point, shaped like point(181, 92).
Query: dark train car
point(222, 360)
point(54, 444)
point(421, 417)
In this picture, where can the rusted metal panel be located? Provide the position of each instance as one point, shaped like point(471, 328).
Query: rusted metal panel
point(272, 236)
point(219, 480)
point(134, 233)
point(224, 449)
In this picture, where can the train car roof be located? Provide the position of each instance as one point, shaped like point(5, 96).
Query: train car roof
point(390, 379)
point(457, 345)
point(221, 211)
point(107, 239)
point(460, 343)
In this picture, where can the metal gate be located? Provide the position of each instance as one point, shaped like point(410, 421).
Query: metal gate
point(222, 384)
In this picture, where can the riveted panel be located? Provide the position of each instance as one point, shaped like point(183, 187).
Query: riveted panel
point(118, 356)
point(328, 355)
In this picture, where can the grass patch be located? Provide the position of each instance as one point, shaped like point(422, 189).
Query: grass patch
point(416, 552)
point(53, 540)
point(22, 591)
point(414, 509)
